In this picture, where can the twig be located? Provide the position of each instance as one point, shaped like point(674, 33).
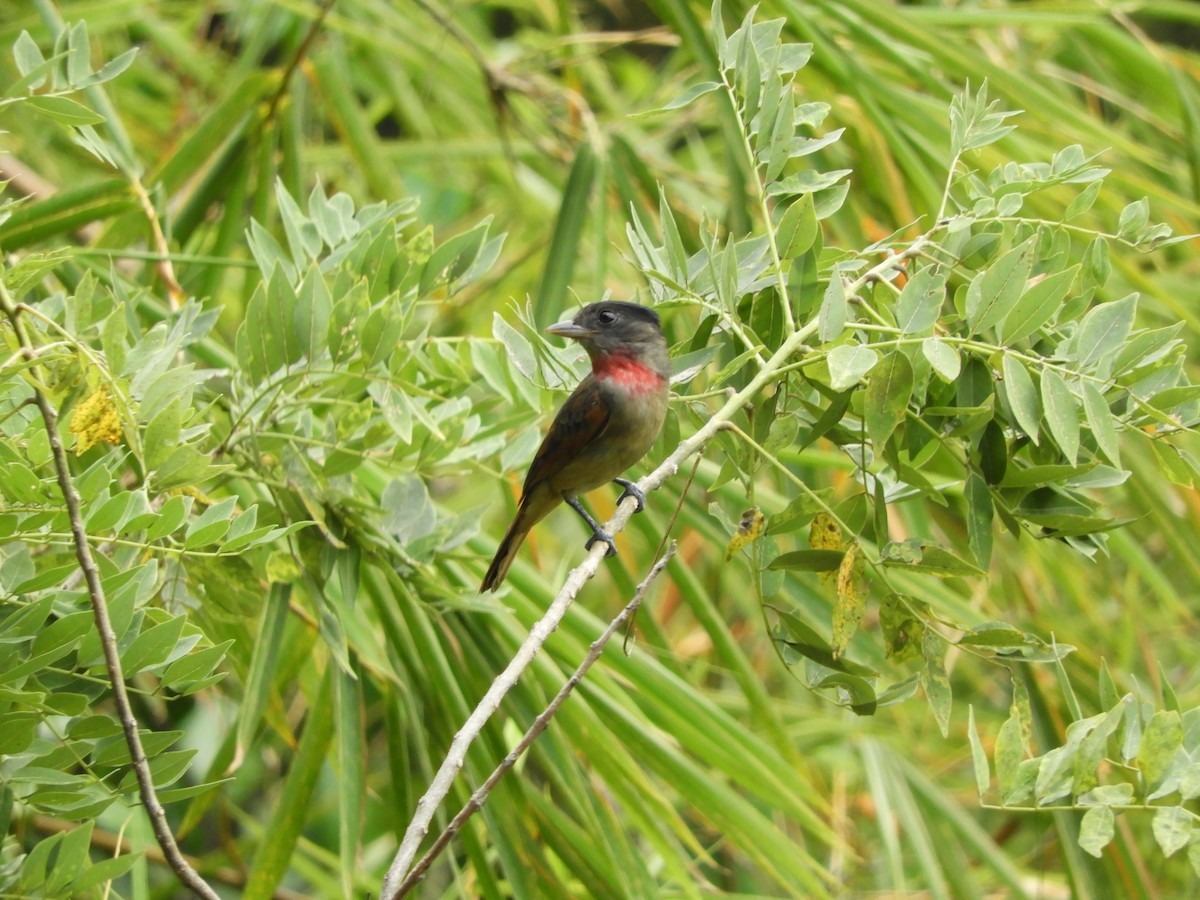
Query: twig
point(539, 725)
point(108, 641)
point(310, 37)
point(164, 266)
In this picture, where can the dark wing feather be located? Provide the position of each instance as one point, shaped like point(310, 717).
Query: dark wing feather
point(581, 420)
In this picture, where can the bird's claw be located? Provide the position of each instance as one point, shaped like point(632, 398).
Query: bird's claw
point(631, 490)
point(604, 537)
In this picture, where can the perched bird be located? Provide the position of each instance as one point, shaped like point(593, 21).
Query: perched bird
point(606, 425)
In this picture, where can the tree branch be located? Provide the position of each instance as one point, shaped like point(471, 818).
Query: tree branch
point(112, 659)
point(544, 627)
point(539, 725)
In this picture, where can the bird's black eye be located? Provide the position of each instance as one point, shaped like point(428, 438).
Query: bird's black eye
point(607, 317)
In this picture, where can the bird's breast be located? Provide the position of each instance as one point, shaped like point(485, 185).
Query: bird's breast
point(636, 416)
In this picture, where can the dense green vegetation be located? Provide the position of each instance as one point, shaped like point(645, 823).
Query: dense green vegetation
point(276, 273)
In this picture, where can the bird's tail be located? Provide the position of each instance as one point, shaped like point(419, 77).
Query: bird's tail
point(506, 553)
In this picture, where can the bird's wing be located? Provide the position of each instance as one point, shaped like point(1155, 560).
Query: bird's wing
point(581, 420)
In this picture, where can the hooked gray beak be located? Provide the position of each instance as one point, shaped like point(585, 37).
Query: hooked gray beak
point(570, 330)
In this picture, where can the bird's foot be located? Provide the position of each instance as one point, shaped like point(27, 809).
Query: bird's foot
point(605, 537)
point(631, 490)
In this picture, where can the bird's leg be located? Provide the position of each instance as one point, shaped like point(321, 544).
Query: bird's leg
point(631, 490)
point(598, 533)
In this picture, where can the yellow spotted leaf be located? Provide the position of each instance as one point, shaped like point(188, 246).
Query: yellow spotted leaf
point(825, 534)
point(749, 529)
point(851, 599)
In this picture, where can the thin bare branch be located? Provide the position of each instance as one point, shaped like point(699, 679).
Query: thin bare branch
point(108, 641)
point(539, 725)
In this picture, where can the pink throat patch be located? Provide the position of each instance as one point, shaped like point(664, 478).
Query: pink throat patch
point(628, 373)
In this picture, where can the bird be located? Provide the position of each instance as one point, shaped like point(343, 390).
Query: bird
point(607, 424)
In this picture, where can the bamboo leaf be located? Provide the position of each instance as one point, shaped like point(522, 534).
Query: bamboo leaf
point(290, 813)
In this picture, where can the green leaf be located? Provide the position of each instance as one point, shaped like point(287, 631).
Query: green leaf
point(1022, 396)
point(173, 514)
point(993, 453)
point(920, 302)
point(210, 526)
point(809, 560)
point(1083, 201)
point(108, 515)
point(162, 434)
point(1094, 749)
point(194, 666)
point(932, 560)
point(995, 634)
point(351, 758)
point(1096, 830)
point(153, 646)
point(1000, 287)
point(831, 319)
point(1103, 332)
point(1172, 828)
point(863, 701)
point(568, 232)
point(979, 519)
point(27, 55)
point(263, 661)
point(519, 350)
point(902, 630)
point(848, 363)
point(290, 813)
point(71, 859)
point(314, 306)
point(798, 229)
point(1096, 263)
point(1061, 413)
point(1133, 218)
point(935, 680)
point(105, 870)
point(688, 97)
point(979, 760)
point(62, 635)
point(1101, 422)
point(806, 182)
point(45, 579)
point(1161, 740)
point(802, 638)
point(452, 259)
point(1037, 306)
point(887, 396)
point(64, 110)
point(943, 357)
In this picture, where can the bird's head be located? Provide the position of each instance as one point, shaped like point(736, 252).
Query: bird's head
point(615, 332)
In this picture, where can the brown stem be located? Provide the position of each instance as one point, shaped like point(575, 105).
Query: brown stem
point(108, 641)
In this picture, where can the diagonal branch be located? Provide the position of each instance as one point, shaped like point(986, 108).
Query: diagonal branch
point(427, 806)
point(112, 659)
point(539, 725)
point(440, 786)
